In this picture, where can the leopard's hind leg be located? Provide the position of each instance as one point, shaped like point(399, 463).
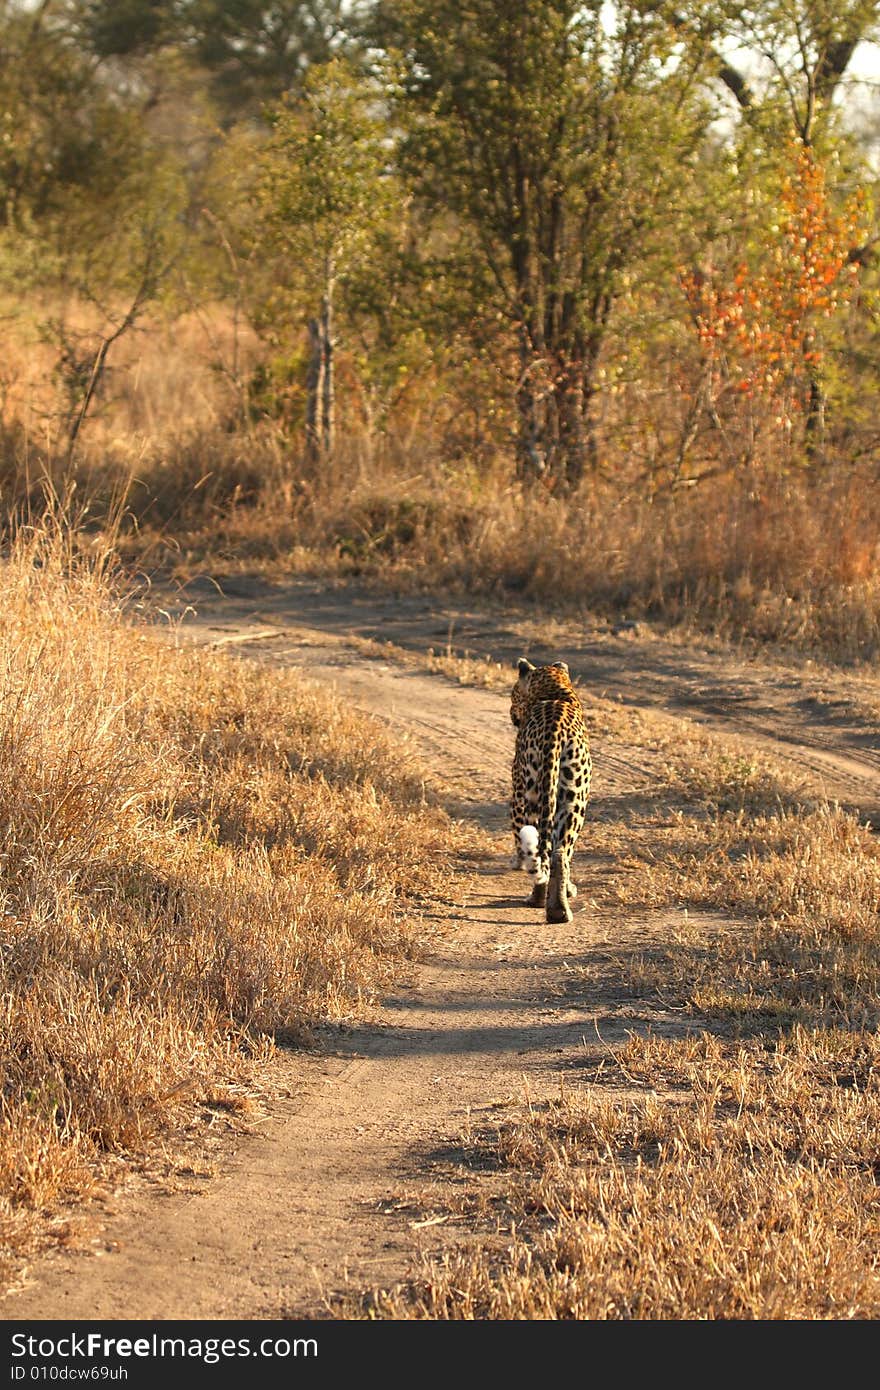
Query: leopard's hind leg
point(560, 886)
point(556, 902)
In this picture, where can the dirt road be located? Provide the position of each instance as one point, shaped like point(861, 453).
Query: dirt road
point(341, 1188)
point(825, 722)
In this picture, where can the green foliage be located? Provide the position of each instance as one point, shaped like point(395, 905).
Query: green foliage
point(488, 207)
point(325, 189)
point(253, 52)
point(257, 52)
point(63, 131)
point(324, 199)
point(121, 28)
point(804, 48)
point(560, 135)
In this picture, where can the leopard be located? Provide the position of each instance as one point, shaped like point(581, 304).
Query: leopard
point(552, 778)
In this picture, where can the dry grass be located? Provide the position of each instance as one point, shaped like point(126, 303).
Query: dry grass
point(794, 564)
point(194, 859)
point(194, 865)
point(789, 558)
point(464, 670)
point(751, 1193)
point(718, 1159)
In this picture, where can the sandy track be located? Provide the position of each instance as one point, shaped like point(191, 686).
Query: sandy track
point(812, 718)
point(315, 1202)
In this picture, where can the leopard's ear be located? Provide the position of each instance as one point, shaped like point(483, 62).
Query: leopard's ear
point(524, 667)
point(563, 666)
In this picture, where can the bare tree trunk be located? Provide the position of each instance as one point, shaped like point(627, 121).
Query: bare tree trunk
point(150, 279)
point(78, 418)
point(815, 422)
point(328, 396)
point(320, 386)
point(577, 451)
point(530, 457)
point(314, 391)
point(531, 460)
point(814, 427)
point(573, 431)
point(591, 432)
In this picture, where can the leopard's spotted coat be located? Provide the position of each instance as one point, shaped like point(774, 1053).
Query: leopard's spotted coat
point(552, 769)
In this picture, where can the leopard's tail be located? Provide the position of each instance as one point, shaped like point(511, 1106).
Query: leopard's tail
point(548, 829)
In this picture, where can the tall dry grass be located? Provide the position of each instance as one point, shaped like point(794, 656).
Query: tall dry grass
point(194, 865)
point(750, 1194)
point(427, 499)
point(712, 1152)
point(794, 562)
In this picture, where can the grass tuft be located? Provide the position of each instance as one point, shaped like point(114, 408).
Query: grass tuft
point(194, 865)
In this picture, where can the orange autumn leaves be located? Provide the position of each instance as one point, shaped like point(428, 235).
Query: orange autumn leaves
point(759, 327)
